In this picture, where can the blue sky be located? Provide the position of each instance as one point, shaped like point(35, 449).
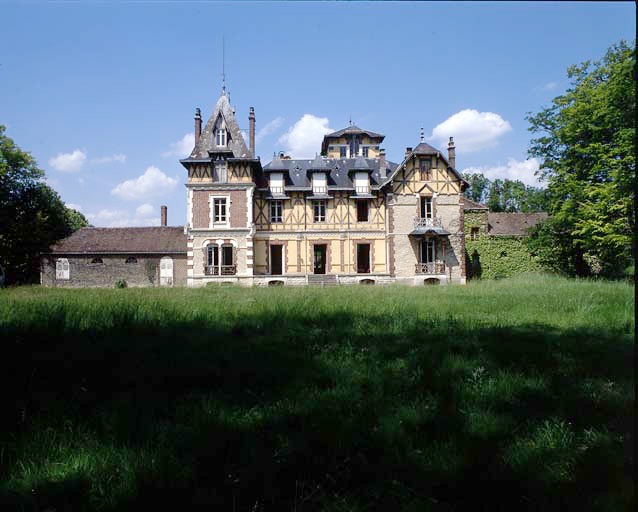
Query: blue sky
point(103, 93)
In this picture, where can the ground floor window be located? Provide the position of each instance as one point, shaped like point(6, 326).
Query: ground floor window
point(363, 258)
point(62, 268)
point(220, 260)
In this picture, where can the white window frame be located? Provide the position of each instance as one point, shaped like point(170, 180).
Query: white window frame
point(321, 204)
point(276, 217)
point(221, 137)
point(429, 207)
point(221, 223)
point(62, 269)
point(430, 251)
point(166, 264)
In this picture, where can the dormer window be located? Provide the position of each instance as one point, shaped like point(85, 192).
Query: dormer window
point(221, 137)
point(319, 183)
point(362, 183)
point(277, 183)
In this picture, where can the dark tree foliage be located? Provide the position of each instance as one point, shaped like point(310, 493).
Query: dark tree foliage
point(586, 144)
point(505, 195)
point(32, 215)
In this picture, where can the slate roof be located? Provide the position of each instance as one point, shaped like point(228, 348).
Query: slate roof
point(512, 223)
point(236, 143)
point(150, 240)
point(425, 149)
point(297, 176)
point(353, 129)
point(472, 205)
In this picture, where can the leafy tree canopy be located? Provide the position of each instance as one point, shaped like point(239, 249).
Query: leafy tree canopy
point(32, 215)
point(505, 195)
point(586, 145)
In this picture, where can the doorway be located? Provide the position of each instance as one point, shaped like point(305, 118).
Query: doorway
point(276, 258)
point(363, 258)
point(320, 258)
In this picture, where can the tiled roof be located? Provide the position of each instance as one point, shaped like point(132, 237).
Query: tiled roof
point(512, 223)
point(337, 168)
point(472, 205)
point(155, 240)
point(353, 129)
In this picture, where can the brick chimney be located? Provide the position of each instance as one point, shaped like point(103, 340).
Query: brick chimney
point(251, 119)
point(408, 150)
point(198, 125)
point(164, 214)
point(451, 153)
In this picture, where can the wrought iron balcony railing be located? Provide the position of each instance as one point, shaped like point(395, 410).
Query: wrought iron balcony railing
point(277, 191)
point(319, 190)
point(428, 222)
point(436, 267)
point(214, 270)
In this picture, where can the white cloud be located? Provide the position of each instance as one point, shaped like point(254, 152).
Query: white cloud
point(68, 162)
point(547, 87)
point(269, 128)
point(144, 210)
point(183, 147)
point(514, 170)
point(115, 157)
point(75, 207)
point(472, 130)
point(303, 139)
point(153, 183)
point(121, 218)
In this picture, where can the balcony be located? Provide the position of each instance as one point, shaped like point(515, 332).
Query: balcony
point(436, 267)
point(214, 270)
point(427, 222)
point(319, 191)
point(362, 190)
point(277, 191)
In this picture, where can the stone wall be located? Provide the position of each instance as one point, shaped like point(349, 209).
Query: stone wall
point(113, 268)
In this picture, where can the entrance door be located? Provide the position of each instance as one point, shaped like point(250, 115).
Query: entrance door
point(276, 253)
point(363, 258)
point(320, 259)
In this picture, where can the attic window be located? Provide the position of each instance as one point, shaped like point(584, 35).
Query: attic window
point(131, 259)
point(220, 137)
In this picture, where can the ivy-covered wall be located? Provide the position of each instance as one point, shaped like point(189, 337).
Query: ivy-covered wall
point(494, 256)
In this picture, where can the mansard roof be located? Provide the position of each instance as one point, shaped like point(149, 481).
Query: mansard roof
point(298, 175)
point(147, 240)
point(236, 143)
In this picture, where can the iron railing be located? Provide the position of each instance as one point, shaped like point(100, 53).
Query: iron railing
point(436, 267)
point(214, 270)
point(428, 222)
point(319, 190)
point(276, 190)
point(363, 190)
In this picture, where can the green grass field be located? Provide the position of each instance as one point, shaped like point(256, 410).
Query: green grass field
point(501, 395)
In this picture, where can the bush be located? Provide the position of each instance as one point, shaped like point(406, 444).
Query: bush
point(121, 284)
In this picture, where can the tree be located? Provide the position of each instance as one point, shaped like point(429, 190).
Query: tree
point(479, 185)
point(587, 151)
point(32, 215)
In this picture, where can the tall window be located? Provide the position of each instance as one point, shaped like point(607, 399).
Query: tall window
point(319, 208)
point(425, 166)
point(342, 151)
point(362, 211)
point(222, 171)
point(426, 207)
point(221, 137)
point(427, 250)
point(219, 210)
point(276, 211)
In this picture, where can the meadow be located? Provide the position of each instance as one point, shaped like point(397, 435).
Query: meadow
point(501, 395)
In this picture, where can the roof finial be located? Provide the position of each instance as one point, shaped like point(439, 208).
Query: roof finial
point(223, 68)
point(350, 119)
point(422, 136)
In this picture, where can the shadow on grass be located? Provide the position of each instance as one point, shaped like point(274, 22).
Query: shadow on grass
point(295, 413)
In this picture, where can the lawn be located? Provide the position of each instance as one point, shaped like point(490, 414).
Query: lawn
point(501, 395)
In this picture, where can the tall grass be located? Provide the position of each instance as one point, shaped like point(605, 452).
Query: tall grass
point(501, 395)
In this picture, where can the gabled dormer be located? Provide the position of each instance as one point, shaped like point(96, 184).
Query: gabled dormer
point(351, 142)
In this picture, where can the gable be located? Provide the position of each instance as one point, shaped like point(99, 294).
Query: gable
point(439, 179)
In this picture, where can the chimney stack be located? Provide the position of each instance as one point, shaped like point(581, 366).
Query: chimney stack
point(451, 153)
point(164, 214)
point(382, 165)
point(408, 150)
point(198, 125)
point(251, 119)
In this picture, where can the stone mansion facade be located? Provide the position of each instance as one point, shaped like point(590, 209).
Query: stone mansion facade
point(348, 215)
